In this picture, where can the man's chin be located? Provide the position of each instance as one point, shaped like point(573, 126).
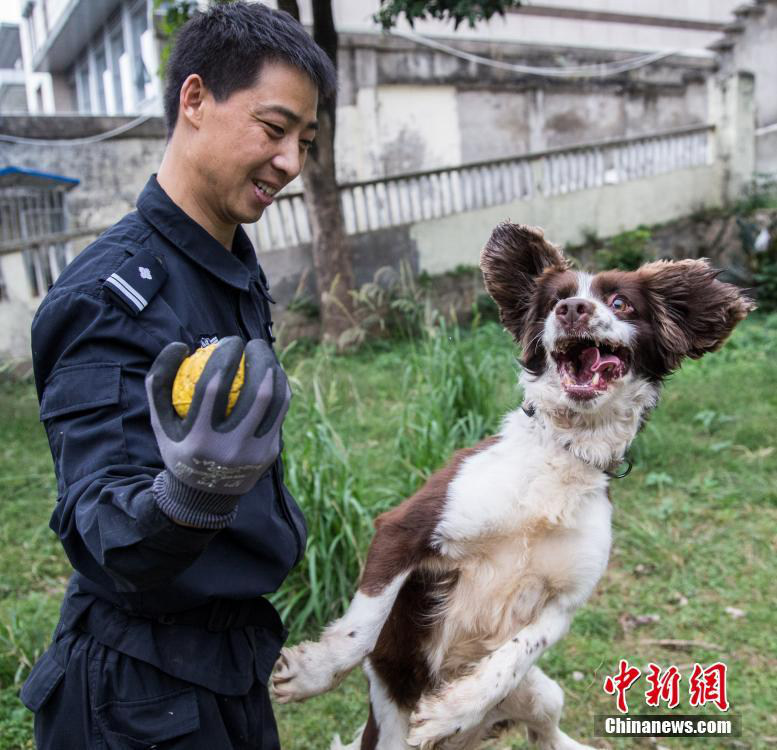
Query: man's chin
point(249, 215)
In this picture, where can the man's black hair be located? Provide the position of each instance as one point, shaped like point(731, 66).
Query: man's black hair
point(228, 44)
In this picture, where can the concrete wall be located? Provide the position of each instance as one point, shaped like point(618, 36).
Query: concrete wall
point(457, 240)
point(494, 123)
point(405, 107)
point(766, 153)
point(290, 270)
point(18, 310)
point(15, 314)
point(439, 245)
point(733, 103)
point(112, 173)
point(754, 49)
point(416, 126)
point(442, 244)
point(13, 98)
point(621, 24)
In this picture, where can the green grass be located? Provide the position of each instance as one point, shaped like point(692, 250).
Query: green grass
point(697, 518)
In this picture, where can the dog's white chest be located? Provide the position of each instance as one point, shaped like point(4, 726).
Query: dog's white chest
point(516, 545)
point(517, 485)
point(571, 560)
point(516, 573)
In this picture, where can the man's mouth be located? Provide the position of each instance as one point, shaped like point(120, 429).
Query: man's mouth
point(587, 367)
point(264, 191)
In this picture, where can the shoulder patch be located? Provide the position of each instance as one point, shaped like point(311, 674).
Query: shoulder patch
point(134, 283)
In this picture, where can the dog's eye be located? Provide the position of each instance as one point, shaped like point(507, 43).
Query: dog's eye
point(619, 303)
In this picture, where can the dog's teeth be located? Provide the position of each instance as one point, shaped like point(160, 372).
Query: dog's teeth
point(595, 380)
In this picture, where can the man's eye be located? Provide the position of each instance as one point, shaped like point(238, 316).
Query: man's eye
point(277, 130)
point(306, 145)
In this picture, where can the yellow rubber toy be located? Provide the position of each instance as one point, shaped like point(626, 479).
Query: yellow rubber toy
point(189, 373)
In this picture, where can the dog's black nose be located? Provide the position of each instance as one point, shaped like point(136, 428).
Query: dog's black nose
point(574, 311)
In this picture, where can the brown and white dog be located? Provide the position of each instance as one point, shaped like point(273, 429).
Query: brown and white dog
point(468, 581)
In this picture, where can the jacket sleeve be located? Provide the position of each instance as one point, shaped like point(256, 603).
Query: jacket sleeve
point(90, 361)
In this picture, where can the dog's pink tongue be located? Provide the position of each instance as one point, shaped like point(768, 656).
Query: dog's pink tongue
point(593, 361)
point(590, 359)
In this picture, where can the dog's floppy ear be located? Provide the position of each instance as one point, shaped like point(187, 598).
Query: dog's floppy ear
point(512, 260)
point(693, 312)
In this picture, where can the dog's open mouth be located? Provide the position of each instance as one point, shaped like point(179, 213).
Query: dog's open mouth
point(587, 368)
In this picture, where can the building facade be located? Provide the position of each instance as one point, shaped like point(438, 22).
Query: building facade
point(101, 57)
point(13, 95)
point(592, 115)
point(91, 57)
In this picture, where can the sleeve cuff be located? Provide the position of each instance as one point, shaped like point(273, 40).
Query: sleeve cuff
point(193, 507)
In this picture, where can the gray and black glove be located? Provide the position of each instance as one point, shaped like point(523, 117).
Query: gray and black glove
point(212, 458)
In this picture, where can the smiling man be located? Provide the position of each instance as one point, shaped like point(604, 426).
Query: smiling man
point(177, 528)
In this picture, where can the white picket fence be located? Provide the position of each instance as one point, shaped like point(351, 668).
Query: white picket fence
point(421, 196)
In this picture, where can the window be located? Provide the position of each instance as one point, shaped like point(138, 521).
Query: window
point(72, 87)
point(139, 24)
point(116, 40)
point(38, 21)
point(84, 100)
point(101, 67)
point(33, 38)
point(110, 75)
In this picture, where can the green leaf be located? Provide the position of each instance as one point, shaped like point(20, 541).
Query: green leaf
point(471, 11)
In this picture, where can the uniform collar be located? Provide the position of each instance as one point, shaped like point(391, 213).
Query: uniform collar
point(237, 268)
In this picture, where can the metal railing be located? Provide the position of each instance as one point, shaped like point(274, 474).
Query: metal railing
point(409, 198)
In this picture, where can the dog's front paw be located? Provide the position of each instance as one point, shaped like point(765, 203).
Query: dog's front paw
point(442, 715)
point(303, 671)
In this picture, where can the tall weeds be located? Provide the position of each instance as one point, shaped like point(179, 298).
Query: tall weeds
point(445, 388)
point(319, 475)
point(450, 384)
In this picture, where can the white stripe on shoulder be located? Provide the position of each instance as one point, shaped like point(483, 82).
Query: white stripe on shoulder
point(132, 294)
point(130, 289)
point(116, 282)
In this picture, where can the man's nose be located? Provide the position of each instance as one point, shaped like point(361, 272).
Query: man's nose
point(574, 311)
point(288, 158)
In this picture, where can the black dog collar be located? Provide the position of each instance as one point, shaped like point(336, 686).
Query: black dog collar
point(529, 410)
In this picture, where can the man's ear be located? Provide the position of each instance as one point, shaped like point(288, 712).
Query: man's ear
point(514, 257)
point(191, 99)
point(693, 312)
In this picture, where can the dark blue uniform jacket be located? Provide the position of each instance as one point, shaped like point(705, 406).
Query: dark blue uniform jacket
point(93, 339)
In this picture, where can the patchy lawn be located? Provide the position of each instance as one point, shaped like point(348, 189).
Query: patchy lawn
point(695, 523)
